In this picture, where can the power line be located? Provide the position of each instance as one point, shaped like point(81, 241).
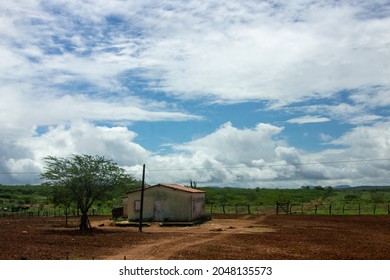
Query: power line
point(20, 173)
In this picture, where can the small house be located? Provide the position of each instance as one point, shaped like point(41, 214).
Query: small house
point(166, 203)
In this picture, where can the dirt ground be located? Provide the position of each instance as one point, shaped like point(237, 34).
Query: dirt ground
point(237, 237)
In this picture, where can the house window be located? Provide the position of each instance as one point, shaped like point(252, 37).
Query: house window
point(137, 205)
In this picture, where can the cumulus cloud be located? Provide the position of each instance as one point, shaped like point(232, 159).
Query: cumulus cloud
point(23, 158)
point(226, 155)
point(245, 157)
point(258, 158)
point(85, 138)
point(230, 144)
point(365, 142)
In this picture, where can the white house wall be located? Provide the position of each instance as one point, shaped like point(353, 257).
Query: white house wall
point(166, 204)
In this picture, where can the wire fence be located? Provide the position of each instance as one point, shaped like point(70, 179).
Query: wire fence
point(308, 209)
point(57, 212)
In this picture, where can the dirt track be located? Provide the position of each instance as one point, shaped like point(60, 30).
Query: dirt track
point(224, 237)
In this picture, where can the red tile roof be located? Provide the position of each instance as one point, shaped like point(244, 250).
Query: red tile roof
point(173, 186)
point(179, 188)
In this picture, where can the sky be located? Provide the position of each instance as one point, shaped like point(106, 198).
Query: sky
point(269, 94)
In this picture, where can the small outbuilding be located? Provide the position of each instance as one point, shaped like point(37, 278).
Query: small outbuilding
point(166, 203)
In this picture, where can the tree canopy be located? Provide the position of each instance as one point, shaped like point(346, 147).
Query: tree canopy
point(83, 180)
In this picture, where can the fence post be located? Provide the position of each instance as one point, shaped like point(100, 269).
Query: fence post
point(359, 209)
point(236, 209)
point(249, 209)
point(315, 209)
point(343, 209)
point(223, 208)
point(374, 208)
point(330, 209)
point(302, 209)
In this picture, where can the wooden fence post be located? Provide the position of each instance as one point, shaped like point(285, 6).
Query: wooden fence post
point(330, 209)
point(359, 209)
point(315, 209)
point(223, 208)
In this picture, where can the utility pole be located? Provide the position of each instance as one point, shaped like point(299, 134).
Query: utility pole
point(142, 199)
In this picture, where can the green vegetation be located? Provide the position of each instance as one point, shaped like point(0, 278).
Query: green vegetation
point(24, 195)
point(40, 198)
point(348, 200)
point(234, 196)
point(317, 200)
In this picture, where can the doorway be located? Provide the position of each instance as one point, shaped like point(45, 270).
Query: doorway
point(158, 211)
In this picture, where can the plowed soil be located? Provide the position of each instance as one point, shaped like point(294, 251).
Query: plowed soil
point(273, 237)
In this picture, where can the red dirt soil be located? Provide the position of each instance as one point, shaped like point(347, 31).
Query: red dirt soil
point(238, 237)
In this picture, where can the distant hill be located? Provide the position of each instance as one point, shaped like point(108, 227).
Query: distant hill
point(370, 188)
point(348, 187)
point(342, 187)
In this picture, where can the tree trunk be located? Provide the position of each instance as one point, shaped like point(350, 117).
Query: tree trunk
point(66, 216)
point(84, 222)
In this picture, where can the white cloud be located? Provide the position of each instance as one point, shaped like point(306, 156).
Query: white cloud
point(358, 113)
point(68, 64)
point(284, 53)
point(287, 52)
point(21, 111)
point(325, 137)
point(245, 157)
point(76, 138)
point(366, 142)
point(232, 145)
point(225, 155)
point(365, 119)
point(308, 119)
point(372, 97)
point(269, 57)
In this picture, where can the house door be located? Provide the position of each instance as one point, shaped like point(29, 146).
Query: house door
point(158, 211)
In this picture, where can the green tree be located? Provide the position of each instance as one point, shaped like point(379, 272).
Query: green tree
point(62, 196)
point(83, 180)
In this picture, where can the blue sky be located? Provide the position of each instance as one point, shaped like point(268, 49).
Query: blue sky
point(226, 93)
